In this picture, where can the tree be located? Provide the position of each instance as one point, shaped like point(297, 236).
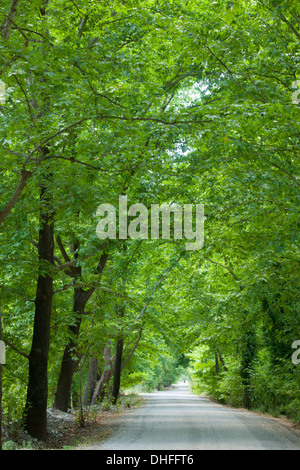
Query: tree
point(37, 389)
point(69, 362)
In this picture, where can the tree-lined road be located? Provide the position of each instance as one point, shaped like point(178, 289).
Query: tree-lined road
point(179, 420)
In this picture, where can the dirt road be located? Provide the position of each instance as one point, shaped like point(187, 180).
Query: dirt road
point(178, 420)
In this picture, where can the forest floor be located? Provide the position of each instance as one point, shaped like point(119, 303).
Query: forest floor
point(64, 431)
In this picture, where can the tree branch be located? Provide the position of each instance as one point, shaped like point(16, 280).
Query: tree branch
point(277, 166)
point(155, 288)
point(102, 263)
point(290, 25)
point(12, 346)
point(82, 25)
point(62, 249)
point(26, 98)
point(88, 165)
point(120, 118)
point(225, 267)
point(25, 175)
point(133, 349)
point(8, 20)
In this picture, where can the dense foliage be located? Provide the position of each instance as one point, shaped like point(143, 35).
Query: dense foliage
point(162, 101)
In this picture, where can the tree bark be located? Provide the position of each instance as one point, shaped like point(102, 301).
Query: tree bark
point(249, 347)
point(91, 382)
point(6, 27)
point(221, 360)
point(105, 377)
point(109, 369)
point(37, 391)
point(217, 364)
point(25, 175)
point(68, 366)
point(0, 382)
point(69, 362)
point(117, 371)
point(133, 349)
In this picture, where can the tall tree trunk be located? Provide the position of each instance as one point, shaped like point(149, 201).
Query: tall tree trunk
point(249, 348)
point(35, 412)
point(109, 369)
point(117, 371)
point(221, 360)
point(105, 377)
point(0, 382)
point(91, 381)
point(37, 390)
point(120, 311)
point(69, 362)
point(217, 364)
point(68, 365)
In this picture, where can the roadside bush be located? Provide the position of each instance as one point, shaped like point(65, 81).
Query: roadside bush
point(276, 390)
point(230, 388)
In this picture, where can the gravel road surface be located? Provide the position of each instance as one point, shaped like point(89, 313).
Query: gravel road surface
point(179, 420)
